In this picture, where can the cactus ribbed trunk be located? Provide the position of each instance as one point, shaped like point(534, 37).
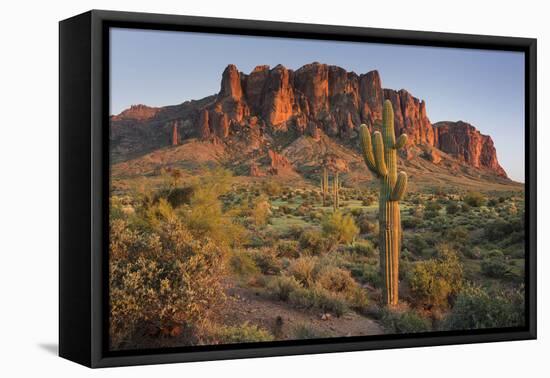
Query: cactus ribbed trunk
point(336, 194)
point(380, 154)
point(324, 185)
point(175, 138)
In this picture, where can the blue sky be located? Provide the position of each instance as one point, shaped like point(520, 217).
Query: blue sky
point(482, 87)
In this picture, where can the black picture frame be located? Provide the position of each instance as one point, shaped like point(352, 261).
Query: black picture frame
point(83, 181)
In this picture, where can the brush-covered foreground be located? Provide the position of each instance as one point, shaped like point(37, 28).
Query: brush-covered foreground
point(211, 258)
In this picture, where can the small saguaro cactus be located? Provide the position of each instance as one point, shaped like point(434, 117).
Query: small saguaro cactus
point(324, 185)
point(175, 138)
point(336, 191)
point(380, 155)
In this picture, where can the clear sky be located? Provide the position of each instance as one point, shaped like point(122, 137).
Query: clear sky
point(482, 87)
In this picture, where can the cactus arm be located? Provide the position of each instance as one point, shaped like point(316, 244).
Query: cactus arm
point(366, 148)
point(378, 149)
point(388, 131)
point(401, 141)
point(400, 187)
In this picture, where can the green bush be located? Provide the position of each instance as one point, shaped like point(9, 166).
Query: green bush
point(434, 281)
point(319, 298)
point(288, 248)
point(403, 321)
point(476, 308)
point(474, 199)
point(364, 248)
point(282, 286)
point(161, 278)
point(495, 267)
point(314, 242)
point(452, 208)
point(305, 331)
point(243, 265)
point(340, 228)
point(266, 259)
point(303, 270)
point(245, 333)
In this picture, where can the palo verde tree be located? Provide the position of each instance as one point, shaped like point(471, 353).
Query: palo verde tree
point(380, 154)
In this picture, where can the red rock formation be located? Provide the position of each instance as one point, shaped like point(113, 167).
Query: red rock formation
point(204, 126)
point(317, 99)
point(231, 83)
point(466, 143)
point(410, 117)
point(278, 97)
point(279, 164)
point(255, 171)
point(138, 112)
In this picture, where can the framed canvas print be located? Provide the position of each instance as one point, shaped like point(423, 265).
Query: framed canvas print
point(234, 188)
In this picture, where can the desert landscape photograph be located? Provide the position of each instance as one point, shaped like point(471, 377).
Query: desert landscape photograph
point(268, 189)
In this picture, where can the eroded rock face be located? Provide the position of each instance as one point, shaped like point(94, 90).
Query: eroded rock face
point(137, 112)
point(315, 100)
point(279, 164)
point(466, 143)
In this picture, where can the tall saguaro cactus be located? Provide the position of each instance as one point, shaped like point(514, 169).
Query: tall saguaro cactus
point(380, 154)
point(324, 185)
point(336, 191)
point(175, 138)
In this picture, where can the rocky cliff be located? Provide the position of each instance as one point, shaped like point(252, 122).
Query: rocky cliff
point(313, 100)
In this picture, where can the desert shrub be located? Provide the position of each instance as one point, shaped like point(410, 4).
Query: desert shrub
point(281, 287)
point(304, 331)
point(434, 281)
point(339, 227)
point(303, 270)
point(336, 280)
point(205, 217)
point(242, 264)
point(495, 267)
point(367, 226)
point(319, 298)
point(500, 229)
point(260, 211)
point(364, 248)
point(411, 223)
point(458, 235)
point(272, 188)
point(245, 333)
point(433, 206)
point(176, 196)
point(161, 278)
point(285, 209)
point(472, 253)
point(267, 260)
point(314, 242)
point(288, 248)
point(492, 202)
point(368, 200)
point(452, 208)
point(477, 308)
point(340, 281)
point(406, 321)
point(417, 244)
point(474, 199)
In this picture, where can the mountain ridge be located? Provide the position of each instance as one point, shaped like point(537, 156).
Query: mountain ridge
point(314, 100)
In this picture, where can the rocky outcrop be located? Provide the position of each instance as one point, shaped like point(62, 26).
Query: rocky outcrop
point(279, 164)
point(137, 112)
point(464, 142)
point(315, 100)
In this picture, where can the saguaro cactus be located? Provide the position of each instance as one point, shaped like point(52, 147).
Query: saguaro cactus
point(336, 191)
point(324, 185)
point(175, 138)
point(380, 154)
